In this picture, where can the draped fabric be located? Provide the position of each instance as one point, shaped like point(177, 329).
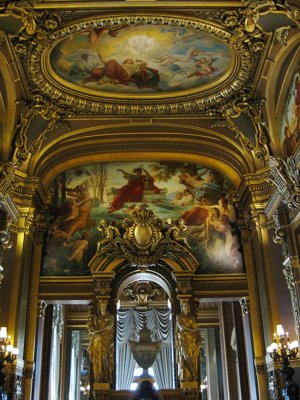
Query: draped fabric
point(129, 323)
point(75, 367)
point(55, 352)
point(54, 365)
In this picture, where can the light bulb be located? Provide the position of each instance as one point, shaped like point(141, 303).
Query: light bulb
point(9, 348)
point(280, 330)
point(3, 332)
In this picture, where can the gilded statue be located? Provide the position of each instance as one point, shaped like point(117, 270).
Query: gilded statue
point(109, 231)
point(101, 329)
point(176, 231)
point(188, 342)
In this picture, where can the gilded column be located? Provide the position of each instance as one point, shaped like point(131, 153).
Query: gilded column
point(32, 315)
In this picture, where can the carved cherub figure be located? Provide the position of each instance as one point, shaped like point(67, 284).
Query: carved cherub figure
point(110, 232)
point(176, 231)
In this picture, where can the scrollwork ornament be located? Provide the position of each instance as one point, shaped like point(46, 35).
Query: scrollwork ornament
point(38, 105)
point(281, 35)
point(42, 307)
point(184, 285)
point(245, 306)
point(103, 287)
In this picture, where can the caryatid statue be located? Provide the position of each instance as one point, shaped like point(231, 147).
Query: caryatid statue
point(188, 342)
point(101, 330)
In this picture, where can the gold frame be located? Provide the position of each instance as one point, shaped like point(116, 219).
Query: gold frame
point(183, 102)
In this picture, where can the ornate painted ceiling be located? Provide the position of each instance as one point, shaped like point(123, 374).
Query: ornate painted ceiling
point(209, 83)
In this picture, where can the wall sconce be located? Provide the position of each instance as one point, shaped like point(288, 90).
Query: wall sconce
point(8, 354)
point(282, 350)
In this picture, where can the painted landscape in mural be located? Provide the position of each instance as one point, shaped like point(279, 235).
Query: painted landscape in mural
point(290, 122)
point(141, 59)
point(112, 191)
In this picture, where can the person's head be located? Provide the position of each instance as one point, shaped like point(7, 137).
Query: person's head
point(181, 222)
point(286, 132)
point(179, 195)
point(145, 388)
point(138, 171)
point(85, 235)
point(102, 307)
point(225, 219)
point(185, 307)
point(214, 212)
point(223, 202)
point(128, 61)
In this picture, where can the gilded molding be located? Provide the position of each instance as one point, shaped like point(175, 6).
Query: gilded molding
point(254, 218)
point(103, 286)
point(245, 104)
point(33, 50)
point(37, 106)
point(184, 285)
point(282, 34)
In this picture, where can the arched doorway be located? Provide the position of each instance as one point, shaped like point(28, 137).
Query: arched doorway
point(144, 299)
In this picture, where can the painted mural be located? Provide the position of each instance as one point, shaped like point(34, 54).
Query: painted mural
point(290, 121)
point(137, 59)
point(112, 191)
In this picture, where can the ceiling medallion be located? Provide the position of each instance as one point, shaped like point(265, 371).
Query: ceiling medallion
point(140, 65)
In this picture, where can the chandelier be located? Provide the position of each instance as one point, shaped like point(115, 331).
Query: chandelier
point(281, 348)
point(8, 354)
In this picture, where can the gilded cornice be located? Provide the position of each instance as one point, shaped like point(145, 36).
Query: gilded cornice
point(259, 186)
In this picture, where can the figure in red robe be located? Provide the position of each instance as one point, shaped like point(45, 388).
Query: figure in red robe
point(134, 189)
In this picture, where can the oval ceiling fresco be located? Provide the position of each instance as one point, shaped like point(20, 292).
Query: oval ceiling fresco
point(140, 65)
point(141, 59)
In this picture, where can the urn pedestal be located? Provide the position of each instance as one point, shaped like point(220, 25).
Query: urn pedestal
point(145, 351)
